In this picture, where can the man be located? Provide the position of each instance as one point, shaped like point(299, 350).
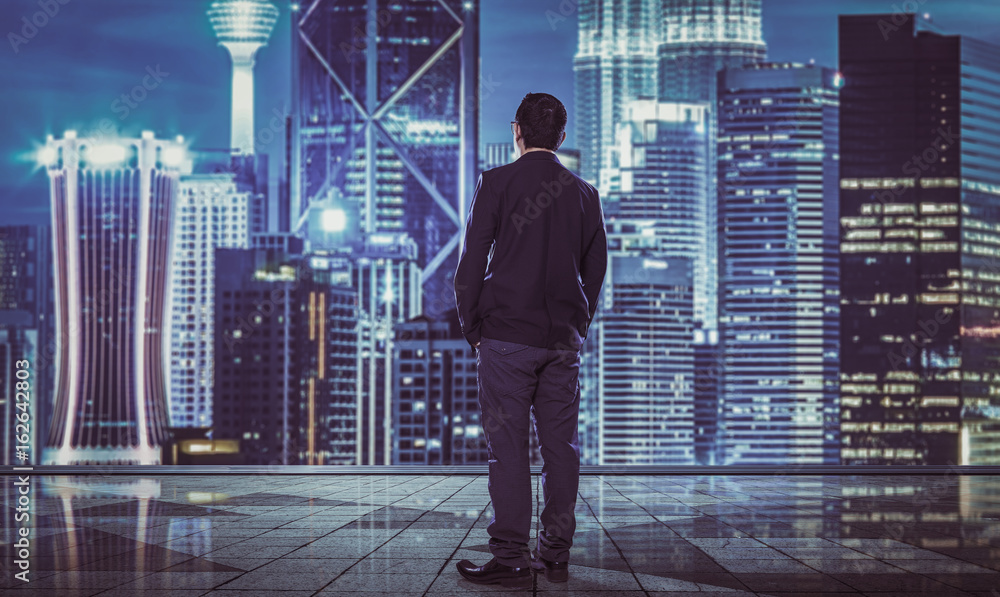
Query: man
point(527, 284)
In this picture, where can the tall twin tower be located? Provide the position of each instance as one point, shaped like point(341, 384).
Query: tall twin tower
point(653, 49)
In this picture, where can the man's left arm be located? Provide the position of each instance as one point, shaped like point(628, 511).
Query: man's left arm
point(480, 231)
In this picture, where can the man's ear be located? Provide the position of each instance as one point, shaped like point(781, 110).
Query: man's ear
point(561, 139)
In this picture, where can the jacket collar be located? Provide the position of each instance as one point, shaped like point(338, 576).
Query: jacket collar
point(539, 155)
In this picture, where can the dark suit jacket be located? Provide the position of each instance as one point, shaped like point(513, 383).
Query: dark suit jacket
point(535, 255)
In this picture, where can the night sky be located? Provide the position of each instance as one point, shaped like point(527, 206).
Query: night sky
point(72, 71)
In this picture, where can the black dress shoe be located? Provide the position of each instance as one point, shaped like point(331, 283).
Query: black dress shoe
point(494, 572)
point(554, 571)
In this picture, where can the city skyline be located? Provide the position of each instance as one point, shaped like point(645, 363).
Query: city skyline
point(164, 59)
point(721, 195)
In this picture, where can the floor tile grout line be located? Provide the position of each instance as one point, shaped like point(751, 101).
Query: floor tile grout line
point(671, 530)
point(318, 591)
point(337, 528)
point(467, 533)
point(615, 543)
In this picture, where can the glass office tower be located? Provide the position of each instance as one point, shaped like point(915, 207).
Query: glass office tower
point(615, 63)
point(386, 101)
point(436, 415)
point(920, 253)
point(111, 223)
point(662, 181)
point(777, 148)
point(637, 388)
point(212, 212)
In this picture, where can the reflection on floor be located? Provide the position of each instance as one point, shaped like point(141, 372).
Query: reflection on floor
point(401, 535)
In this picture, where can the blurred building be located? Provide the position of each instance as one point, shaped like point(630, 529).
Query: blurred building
point(286, 350)
point(112, 204)
point(638, 407)
point(382, 270)
point(919, 186)
point(386, 109)
point(615, 63)
point(27, 320)
point(661, 182)
point(18, 356)
point(211, 213)
point(436, 415)
point(777, 151)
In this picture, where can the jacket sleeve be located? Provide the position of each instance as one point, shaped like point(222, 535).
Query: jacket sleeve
point(594, 264)
point(480, 232)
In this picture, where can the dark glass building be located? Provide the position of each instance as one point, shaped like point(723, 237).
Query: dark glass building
point(920, 249)
point(286, 345)
point(386, 114)
point(436, 414)
point(777, 191)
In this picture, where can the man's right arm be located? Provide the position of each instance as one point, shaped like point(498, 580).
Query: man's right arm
point(594, 264)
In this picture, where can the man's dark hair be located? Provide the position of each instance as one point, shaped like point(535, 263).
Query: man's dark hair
point(543, 119)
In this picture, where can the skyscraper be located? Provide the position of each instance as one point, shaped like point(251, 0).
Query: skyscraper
point(920, 253)
point(382, 270)
point(27, 314)
point(701, 37)
point(778, 293)
point(211, 213)
point(243, 27)
point(436, 411)
point(662, 181)
point(668, 50)
point(386, 114)
point(638, 401)
point(111, 223)
point(286, 354)
point(615, 63)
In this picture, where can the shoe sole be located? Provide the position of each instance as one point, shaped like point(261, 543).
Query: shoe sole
point(524, 582)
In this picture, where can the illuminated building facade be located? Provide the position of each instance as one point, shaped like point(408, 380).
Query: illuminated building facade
point(382, 269)
point(211, 213)
point(637, 378)
point(386, 114)
point(701, 37)
point(778, 303)
point(615, 63)
point(436, 412)
point(26, 324)
point(920, 249)
point(662, 181)
point(111, 221)
point(286, 347)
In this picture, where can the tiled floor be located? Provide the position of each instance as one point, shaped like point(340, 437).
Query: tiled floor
point(286, 536)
